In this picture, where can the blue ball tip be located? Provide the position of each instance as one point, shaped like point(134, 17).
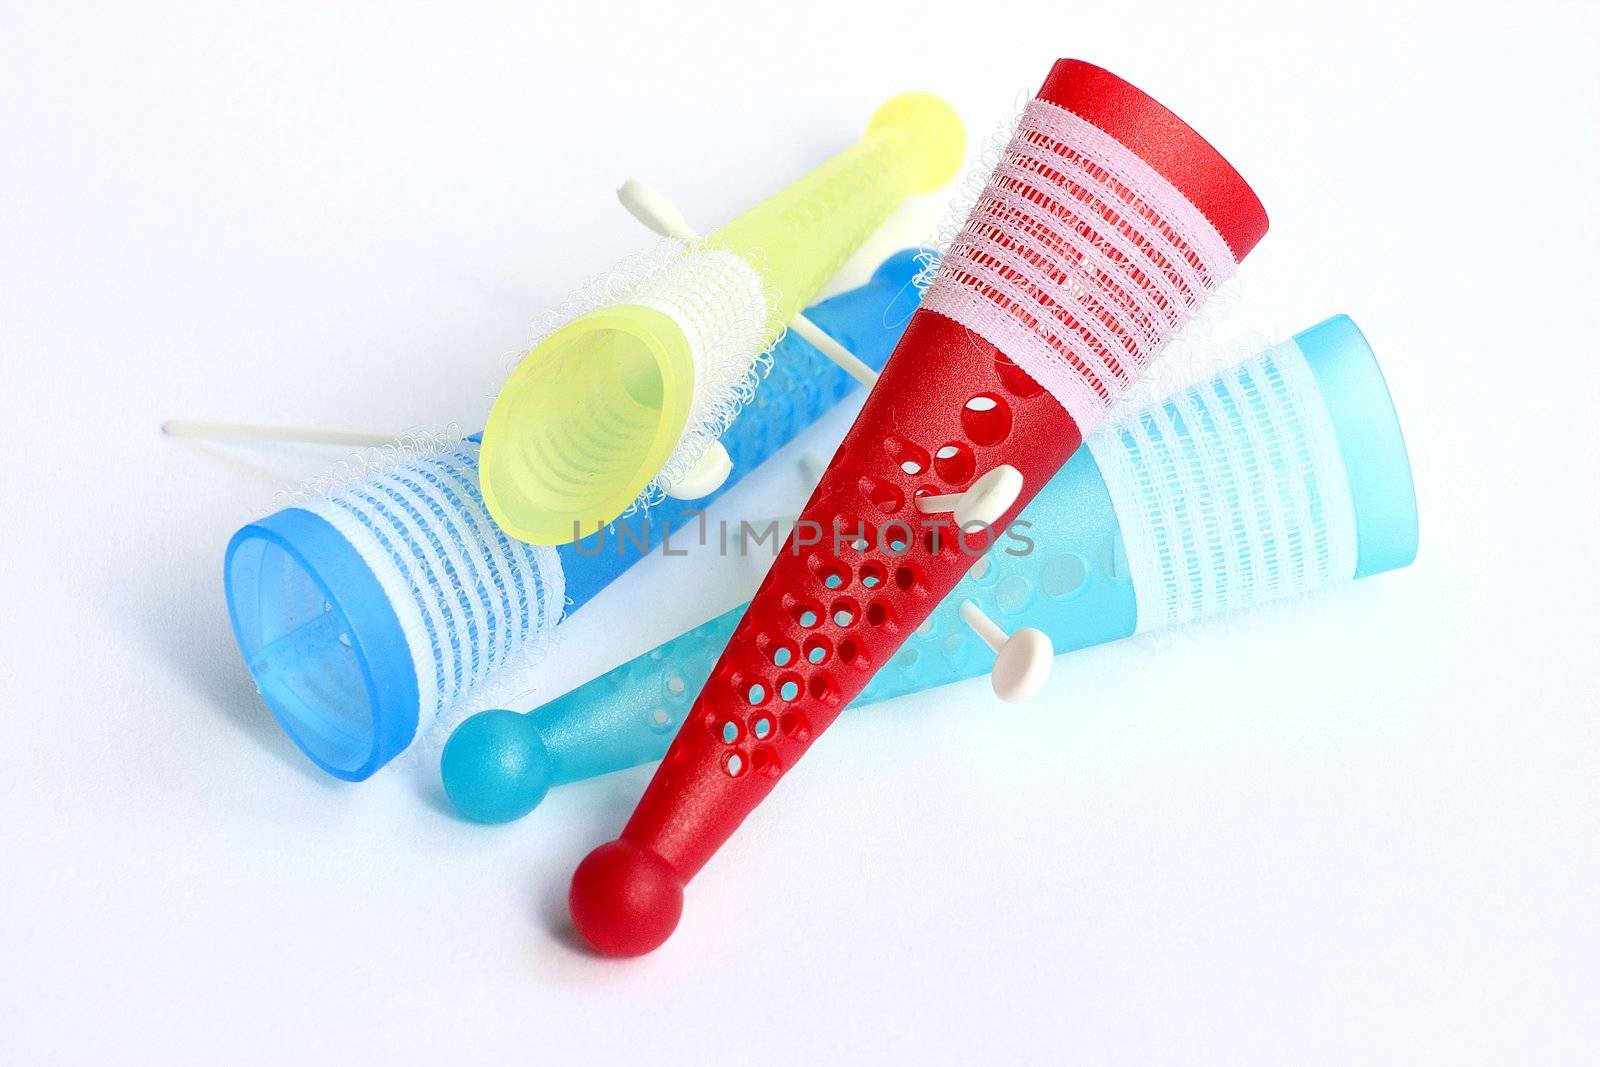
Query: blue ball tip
point(495, 767)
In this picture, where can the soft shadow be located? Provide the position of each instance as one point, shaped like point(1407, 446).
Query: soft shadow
point(180, 614)
point(553, 916)
point(433, 798)
point(277, 464)
point(196, 641)
point(588, 812)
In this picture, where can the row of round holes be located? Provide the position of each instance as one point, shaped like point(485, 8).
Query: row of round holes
point(732, 730)
point(733, 763)
point(845, 612)
point(789, 686)
point(761, 729)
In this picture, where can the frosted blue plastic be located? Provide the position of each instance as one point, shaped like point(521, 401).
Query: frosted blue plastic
point(322, 641)
point(1073, 586)
point(325, 646)
point(1370, 442)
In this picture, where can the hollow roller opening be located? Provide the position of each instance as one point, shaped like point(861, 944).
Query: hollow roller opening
point(298, 647)
point(332, 666)
point(584, 423)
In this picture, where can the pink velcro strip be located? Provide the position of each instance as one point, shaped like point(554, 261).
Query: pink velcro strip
point(1079, 261)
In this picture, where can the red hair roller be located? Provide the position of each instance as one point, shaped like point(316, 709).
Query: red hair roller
point(1103, 228)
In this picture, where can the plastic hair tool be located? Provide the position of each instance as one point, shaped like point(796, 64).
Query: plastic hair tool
point(629, 399)
point(1103, 228)
point(1276, 478)
point(366, 612)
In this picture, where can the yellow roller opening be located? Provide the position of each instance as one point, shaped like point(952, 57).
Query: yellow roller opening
point(584, 422)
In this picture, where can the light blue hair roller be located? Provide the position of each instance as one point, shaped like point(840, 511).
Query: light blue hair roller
point(365, 611)
point(1286, 474)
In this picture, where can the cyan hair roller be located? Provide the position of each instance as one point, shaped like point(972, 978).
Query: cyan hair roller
point(1280, 476)
point(366, 610)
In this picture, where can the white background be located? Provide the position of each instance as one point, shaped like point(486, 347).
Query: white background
point(1356, 829)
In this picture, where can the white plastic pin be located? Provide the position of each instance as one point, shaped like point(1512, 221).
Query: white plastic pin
point(239, 431)
point(984, 501)
point(704, 478)
point(1021, 660)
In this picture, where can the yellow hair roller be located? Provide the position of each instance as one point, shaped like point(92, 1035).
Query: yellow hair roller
point(634, 395)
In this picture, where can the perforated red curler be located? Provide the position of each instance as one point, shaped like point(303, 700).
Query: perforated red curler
point(1103, 228)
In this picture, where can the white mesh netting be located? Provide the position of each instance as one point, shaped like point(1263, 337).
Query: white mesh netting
point(1079, 261)
point(720, 303)
point(1231, 493)
point(470, 600)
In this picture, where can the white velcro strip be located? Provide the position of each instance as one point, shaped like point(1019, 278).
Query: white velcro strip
point(1231, 493)
point(1079, 261)
point(720, 302)
point(470, 600)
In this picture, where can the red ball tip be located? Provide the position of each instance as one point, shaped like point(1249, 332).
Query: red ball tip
point(625, 900)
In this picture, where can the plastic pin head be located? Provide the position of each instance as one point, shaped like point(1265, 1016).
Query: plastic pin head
point(654, 210)
point(1022, 660)
point(704, 478)
point(983, 502)
point(1022, 666)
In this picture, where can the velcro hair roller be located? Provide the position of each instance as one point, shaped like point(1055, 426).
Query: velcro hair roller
point(1281, 476)
point(1102, 230)
point(628, 398)
point(366, 611)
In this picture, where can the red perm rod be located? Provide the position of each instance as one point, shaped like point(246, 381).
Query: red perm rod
point(1102, 230)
